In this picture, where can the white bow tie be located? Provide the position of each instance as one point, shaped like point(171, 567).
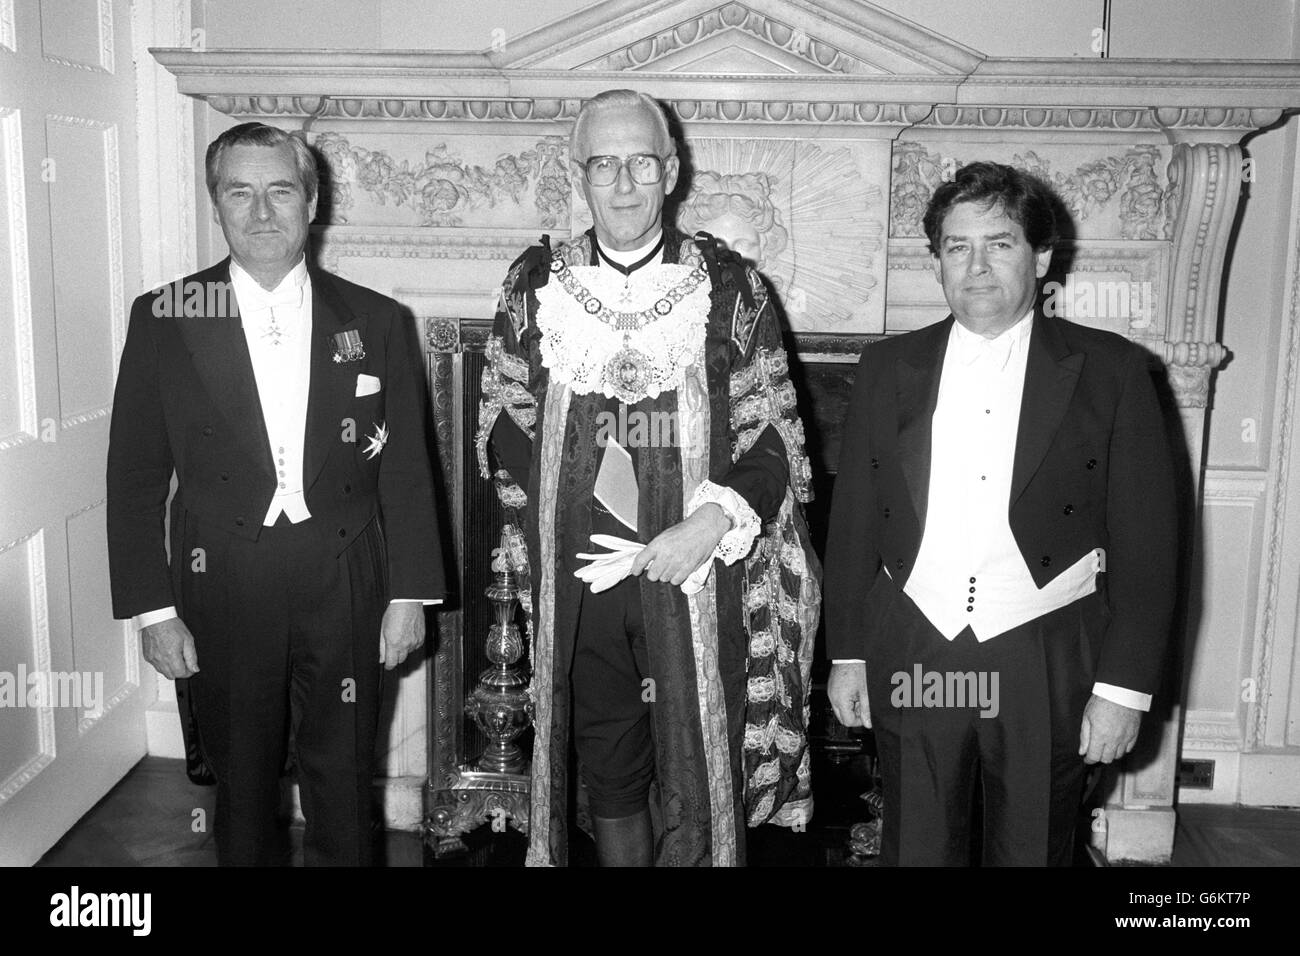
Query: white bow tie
point(274, 309)
point(973, 348)
point(287, 295)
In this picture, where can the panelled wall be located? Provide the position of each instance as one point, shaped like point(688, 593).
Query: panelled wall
point(73, 687)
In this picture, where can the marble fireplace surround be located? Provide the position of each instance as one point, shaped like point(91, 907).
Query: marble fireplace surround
point(818, 128)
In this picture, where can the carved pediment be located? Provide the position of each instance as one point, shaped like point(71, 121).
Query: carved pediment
point(754, 37)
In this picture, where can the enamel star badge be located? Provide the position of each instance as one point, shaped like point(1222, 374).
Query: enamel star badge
point(377, 441)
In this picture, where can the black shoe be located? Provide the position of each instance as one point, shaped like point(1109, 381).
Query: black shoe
point(197, 769)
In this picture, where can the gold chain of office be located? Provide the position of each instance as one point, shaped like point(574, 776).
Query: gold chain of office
point(626, 321)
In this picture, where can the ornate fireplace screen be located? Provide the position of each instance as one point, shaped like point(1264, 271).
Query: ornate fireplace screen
point(816, 131)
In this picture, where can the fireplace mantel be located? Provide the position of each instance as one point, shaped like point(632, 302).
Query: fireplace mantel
point(1208, 98)
point(1140, 84)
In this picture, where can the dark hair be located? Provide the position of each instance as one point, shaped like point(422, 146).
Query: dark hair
point(1026, 200)
point(259, 134)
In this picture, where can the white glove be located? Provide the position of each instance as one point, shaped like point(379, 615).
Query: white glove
point(699, 577)
point(607, 568)
point(610, 567)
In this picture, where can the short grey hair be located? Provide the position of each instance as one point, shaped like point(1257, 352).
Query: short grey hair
point(622, 100)
point(259, 134)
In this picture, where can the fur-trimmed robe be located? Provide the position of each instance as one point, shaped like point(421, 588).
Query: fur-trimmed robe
point(730, 664)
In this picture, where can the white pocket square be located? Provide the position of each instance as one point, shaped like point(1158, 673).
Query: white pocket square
point(367, 385)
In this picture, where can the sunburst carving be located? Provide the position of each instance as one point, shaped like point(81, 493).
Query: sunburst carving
point(810, 216)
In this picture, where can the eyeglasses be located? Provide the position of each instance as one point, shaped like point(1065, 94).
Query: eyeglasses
point(646, 169)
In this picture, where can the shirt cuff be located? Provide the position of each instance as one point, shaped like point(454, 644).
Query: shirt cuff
point(1122, 696)
point(745, 526)
point(425, 601)
point(848, 660)
point(141, 621)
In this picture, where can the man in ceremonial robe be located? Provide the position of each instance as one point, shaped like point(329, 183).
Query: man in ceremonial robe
point(637, 392)
point(1003, 534)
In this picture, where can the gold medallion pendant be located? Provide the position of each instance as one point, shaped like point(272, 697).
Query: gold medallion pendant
point(628, 372)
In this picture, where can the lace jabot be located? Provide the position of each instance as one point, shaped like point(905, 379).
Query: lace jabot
point(625, 337)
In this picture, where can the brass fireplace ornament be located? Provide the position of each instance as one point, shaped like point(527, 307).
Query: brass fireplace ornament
point(495, 788)
point(500, 704)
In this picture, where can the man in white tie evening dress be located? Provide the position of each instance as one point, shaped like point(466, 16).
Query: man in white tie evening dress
point(1001, 558)
point(289, 404)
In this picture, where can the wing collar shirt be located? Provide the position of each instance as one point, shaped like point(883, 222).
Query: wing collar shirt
point(969, 570)
point(277, 328)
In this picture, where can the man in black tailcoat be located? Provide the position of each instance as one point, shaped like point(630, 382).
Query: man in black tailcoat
point(289, 405)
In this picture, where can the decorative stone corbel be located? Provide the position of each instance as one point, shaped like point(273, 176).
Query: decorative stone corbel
point(1205, 179)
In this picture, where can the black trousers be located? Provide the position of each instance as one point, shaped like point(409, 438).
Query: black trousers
point(612, 728)
point(287, 637)
point(611, 702)
point(1022, 740)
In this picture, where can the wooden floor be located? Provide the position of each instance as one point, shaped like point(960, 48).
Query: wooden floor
point(1236, 836)
point(156, 817)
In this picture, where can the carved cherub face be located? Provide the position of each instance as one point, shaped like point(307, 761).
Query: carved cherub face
point(739, 235)
point(736, 208)
point(626, 214)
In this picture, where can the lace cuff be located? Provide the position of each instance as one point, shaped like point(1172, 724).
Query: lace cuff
point(745, 526)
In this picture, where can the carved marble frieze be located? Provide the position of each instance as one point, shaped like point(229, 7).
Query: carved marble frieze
point(335, 243)
point(748, 40)
point(1109, 194)
point(487, 109)
point(457, 181)
point(775, 107)
point(1104, 119)
point(730, 36)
